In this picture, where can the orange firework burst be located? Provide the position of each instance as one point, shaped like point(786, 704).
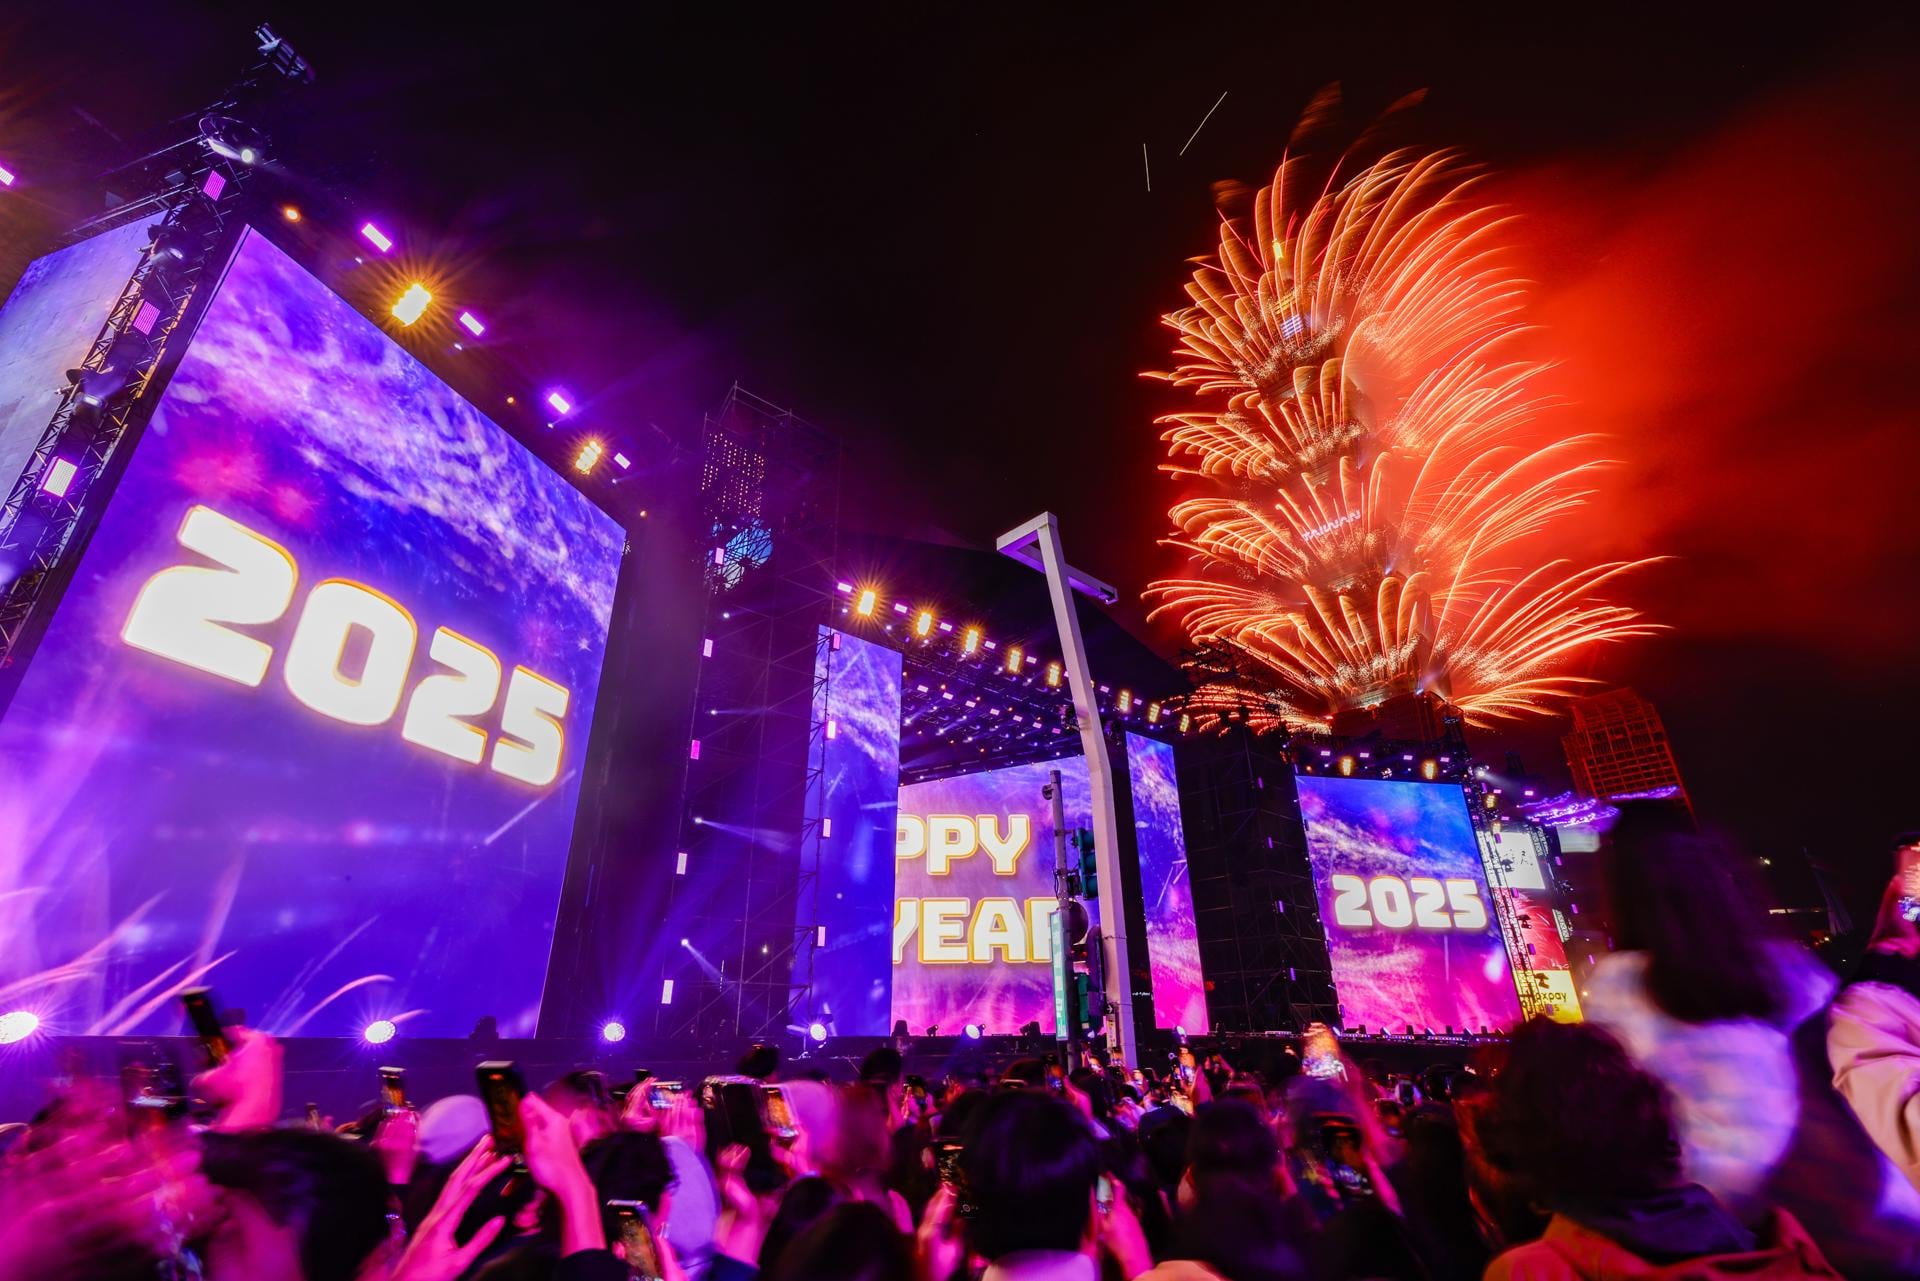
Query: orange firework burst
point(1365, 464)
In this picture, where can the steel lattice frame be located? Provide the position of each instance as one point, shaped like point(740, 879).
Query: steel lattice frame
point(767, 468)
point(39, 528)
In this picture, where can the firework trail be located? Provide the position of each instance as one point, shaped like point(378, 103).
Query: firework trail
point(1363, 464)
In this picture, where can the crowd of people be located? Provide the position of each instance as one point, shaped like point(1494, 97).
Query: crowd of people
point(1729, 1109)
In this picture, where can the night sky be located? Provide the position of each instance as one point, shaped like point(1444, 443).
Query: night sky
point(933, 234)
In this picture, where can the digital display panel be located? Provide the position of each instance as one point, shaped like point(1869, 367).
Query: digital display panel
point(309, 722)
point(973, 897)
point(1173, 945)
point(1403, 899)
point(1517, 879)
point(848, 897)
point(46, 327)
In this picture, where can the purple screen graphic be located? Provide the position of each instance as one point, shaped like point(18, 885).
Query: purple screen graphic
point(49, 321)
point(848, 899)
point(1173, 945)
point(1403, 897)
point(973, 894)
point(162, 824)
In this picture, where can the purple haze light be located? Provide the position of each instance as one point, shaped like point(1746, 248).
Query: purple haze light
point(471, 323)
point(6, 176)
point(561, 404)
point(376, 237)
point(612, 1031)
point(17, 1026)
point(379, 1032)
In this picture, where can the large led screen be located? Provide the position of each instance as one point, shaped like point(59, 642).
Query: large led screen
point(1403, 898)
point(1517, 878)
point(50, 319)
point(973, 897)
point(1173, 946)
point(309, 722)
point(847, 899)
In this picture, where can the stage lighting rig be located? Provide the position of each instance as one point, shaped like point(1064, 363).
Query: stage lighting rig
point(282, 57)
point(233, 139)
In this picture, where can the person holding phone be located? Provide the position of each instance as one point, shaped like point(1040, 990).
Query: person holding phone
point(246, 1088)
point(1032, 1167)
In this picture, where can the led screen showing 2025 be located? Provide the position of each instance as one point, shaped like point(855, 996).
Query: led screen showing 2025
point(308, 724)
point(1403, 898)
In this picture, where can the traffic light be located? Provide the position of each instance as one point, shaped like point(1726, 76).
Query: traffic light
point(1089, 1005)
point(1091, 986)
point(1082, 842)
point(1087, 1000)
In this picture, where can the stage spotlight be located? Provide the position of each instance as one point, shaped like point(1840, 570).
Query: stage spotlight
point(970, 641)
point(379, 1032)
point(818, 1032)
point(588, 458)
point(233, 139)
point(1014, 657)
point(471, 323)
point(1429, 769)
point(1346, 765)
point(666, 992)
point(94, 387)
point(868, 599)
point(412, 304)
point(1126, 702)
point(561, 405)
point(1053, 674)
point(923, 624)
point(621, 461)
point(1153, 713)
point(17, 1026)
point(613, 1030)
point(290, 212)
point(376, 237)
point(58, 478)
point(6, 177)
point(684, 943)
point(972, 1031)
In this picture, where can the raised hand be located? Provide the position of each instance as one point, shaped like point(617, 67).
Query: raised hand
point(397, 1140)
point(93, 1202)
point(1122, 1237)
point(554, 1162)
point(744, 1214)
point(434, 1254)
point(940, 1245)
point(247, 1088)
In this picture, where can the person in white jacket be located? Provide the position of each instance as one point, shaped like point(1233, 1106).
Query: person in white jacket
point(1735, 1025)
point(1873, 1030)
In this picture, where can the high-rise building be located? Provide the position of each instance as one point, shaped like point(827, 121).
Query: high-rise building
point(1618, 749)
